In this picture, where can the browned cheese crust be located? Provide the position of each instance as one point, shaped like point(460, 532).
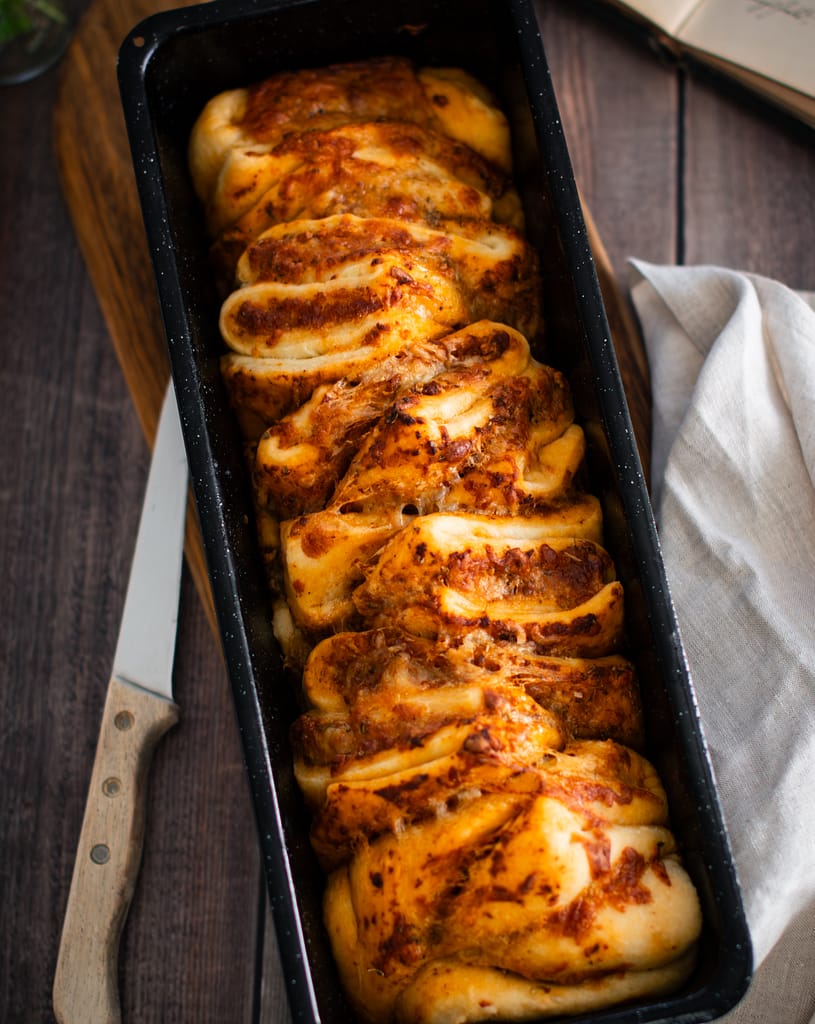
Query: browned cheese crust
point(495, 843)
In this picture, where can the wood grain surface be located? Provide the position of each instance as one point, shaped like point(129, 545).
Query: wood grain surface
point(671, 169)
point(93, 155)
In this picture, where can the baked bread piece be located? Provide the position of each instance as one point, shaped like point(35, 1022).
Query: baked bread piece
point(446, 576)
point(302, 458)
point(494, 843)
point(539, 886)
point(374, 138)
point(387, 89)
point(380, 697)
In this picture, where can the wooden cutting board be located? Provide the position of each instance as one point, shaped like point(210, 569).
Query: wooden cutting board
point(93, 156)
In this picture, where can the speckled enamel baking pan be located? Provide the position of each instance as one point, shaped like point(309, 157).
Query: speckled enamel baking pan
point(170, 65)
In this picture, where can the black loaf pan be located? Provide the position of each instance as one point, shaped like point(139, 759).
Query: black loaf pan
point(169, 66)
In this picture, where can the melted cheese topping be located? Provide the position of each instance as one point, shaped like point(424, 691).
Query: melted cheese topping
point(494, 844)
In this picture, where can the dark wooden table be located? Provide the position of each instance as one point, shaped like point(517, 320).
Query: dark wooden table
point(674, 170)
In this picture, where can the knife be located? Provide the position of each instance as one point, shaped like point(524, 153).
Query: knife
point(138, 710)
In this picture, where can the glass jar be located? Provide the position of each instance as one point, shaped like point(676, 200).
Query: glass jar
point(34, 34)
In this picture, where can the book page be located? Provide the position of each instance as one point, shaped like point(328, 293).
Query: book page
point(667, 15)
point(775, 38)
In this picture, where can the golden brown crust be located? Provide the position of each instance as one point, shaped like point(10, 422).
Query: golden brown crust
point(327, 555)
point(357, 674)
point(491, 264)
point(312, 100)
point(496, 576)
point(449, 992)
point(561, 881)
point(378, 168)
point(374, 90)
point(355, 443)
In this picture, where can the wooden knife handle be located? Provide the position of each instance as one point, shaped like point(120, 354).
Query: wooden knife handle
point(107, 862)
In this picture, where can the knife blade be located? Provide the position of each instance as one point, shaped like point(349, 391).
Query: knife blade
point(138, 710)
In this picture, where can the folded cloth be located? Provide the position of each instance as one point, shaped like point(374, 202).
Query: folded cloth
point(732, 359)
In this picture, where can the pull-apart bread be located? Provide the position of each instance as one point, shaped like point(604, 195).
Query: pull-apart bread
point(495, 843)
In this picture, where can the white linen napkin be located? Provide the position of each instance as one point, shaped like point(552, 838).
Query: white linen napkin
point(732, 359)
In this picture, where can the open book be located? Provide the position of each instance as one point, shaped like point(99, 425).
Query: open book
point(767, 45)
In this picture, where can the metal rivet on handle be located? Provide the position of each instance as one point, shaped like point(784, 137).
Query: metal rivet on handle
point(100, 854)
point(111, 787)
point(123, 721)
